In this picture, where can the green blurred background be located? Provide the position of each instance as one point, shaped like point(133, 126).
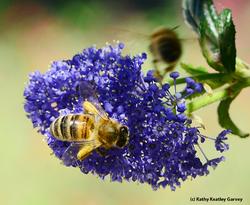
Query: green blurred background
point(34, 33)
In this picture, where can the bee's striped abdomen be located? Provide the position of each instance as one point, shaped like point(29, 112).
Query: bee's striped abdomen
point(79, 128)
point(71, 127)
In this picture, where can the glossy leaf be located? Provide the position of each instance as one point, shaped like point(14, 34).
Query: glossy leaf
point(227, 47)
point(225, 119)
point(216, 33)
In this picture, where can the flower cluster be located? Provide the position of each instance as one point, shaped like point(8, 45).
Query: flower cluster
point(163, 145)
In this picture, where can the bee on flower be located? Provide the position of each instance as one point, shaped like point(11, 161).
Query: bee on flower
point(162, 146)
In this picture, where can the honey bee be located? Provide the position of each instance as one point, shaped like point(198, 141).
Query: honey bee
point(88, 131)
point(166, 47)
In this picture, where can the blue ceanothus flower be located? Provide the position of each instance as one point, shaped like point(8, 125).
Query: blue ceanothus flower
point(163, 145)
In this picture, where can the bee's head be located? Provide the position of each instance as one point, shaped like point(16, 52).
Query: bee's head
point(123, 137)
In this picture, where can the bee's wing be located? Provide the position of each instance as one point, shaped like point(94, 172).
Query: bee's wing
point(70, 154)
point(91, 104)
point(86, 90)
point(134, 40)
point(189, 40)
point(95, 108)
point(128, 31)
point(82, 148)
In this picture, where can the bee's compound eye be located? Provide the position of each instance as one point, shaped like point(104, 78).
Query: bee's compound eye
point(123, 137)
point(124, 130)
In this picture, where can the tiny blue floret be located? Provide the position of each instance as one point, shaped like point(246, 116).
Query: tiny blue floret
point(174, 75)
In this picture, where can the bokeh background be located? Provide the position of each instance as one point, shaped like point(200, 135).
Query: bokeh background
point(34, 33)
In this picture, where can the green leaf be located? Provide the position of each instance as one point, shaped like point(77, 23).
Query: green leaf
point(216, 33)
point(225, 119)
point(192, 12)
point(210, 47)
point(227, 47)
point(193, 70)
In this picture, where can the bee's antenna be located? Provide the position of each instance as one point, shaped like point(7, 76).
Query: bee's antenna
point(176, 27)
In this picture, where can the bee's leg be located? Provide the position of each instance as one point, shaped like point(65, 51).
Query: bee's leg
point(84, 152)
point(102, 152)
point(157, 72)
point(168, 69)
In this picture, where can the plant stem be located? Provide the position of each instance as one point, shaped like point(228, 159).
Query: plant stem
point(230, 91)
point(201, 77)
point(242, 69)
point(206, 100)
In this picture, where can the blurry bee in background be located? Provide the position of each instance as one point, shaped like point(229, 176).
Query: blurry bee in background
point(165, 47)
point(88, 131)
